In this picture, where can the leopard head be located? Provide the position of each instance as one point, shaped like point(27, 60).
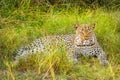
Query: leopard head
point(84, 35)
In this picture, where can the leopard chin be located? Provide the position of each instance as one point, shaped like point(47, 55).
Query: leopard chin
point(83, 45)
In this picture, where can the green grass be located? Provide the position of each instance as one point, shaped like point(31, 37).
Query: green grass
point(19, 27)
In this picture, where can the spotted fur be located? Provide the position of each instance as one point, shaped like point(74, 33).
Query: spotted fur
point(84, 42)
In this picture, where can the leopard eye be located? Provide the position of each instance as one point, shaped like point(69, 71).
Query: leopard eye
point(89, 32)
point(81, 32)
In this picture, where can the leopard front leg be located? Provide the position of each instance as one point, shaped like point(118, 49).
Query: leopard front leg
point(73, 56)
point(102, 57)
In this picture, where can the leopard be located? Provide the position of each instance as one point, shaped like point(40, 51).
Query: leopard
point(83, 42)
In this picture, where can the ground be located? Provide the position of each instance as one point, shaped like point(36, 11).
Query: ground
point(20, 27)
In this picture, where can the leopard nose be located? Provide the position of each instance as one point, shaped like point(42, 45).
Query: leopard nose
point(86, 37)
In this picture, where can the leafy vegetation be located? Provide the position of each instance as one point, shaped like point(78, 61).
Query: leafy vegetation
point(23, 21)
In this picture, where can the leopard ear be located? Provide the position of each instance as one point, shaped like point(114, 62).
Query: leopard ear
point(93, 25)
point(76, 26)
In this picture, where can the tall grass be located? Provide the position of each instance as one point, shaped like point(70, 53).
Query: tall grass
point(19, 27)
